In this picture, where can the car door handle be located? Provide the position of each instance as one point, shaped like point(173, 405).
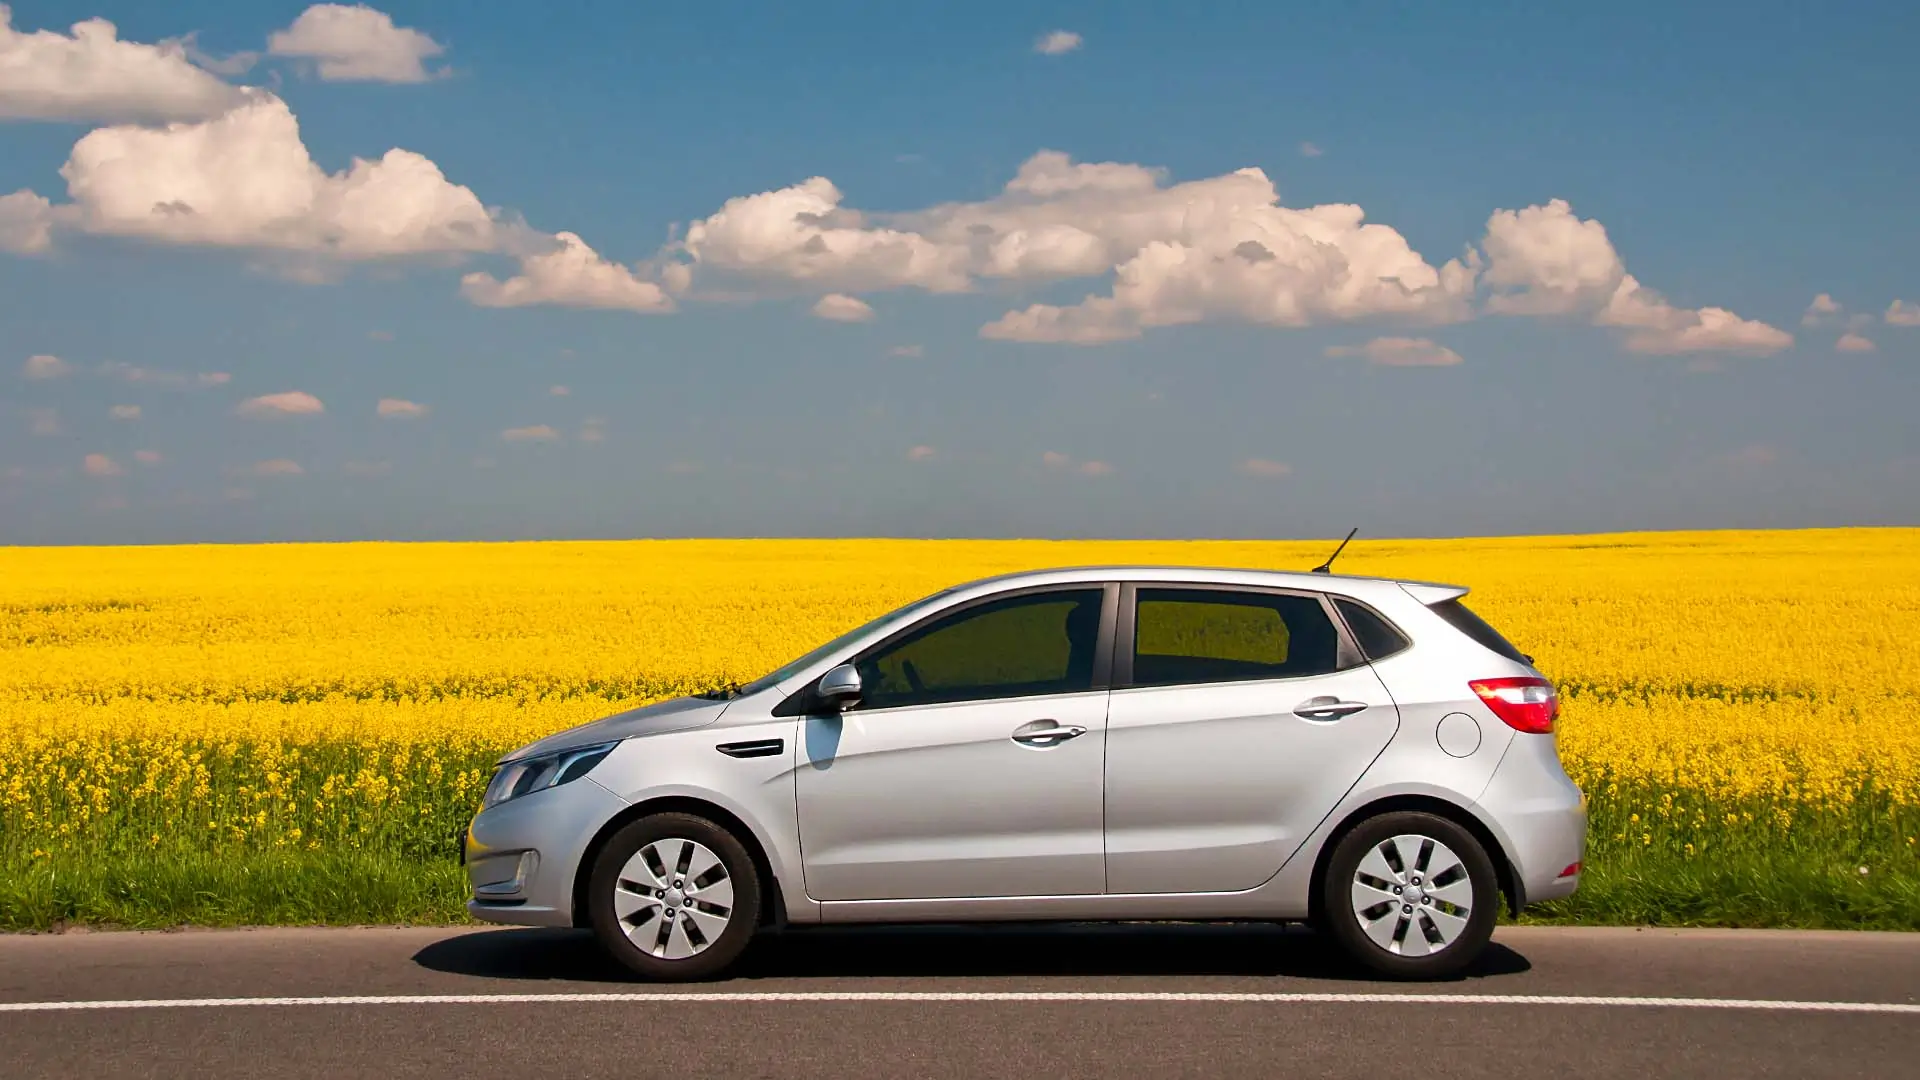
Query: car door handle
point(1052, 734)
point(1327, 708)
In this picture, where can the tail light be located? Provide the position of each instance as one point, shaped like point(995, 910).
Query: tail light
point(1526, 704)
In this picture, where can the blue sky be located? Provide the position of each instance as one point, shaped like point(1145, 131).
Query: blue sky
point(1647, 354)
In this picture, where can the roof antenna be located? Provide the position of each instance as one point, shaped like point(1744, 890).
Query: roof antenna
point(1327, 567)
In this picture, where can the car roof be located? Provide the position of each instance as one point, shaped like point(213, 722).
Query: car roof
point(1348, 584)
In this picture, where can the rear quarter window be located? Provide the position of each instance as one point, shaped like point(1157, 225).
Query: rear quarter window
point(1480, 630)
point(1378, 638)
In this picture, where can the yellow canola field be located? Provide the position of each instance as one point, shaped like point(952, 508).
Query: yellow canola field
point(1717, 685)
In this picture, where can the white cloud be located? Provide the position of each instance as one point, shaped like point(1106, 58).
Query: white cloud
point(93, 76)
point(838, 307)
point(356, 44)
point(1263, 467)
point(559, 391)
point(289, 403)
point(570, 275)
point(26, 223)
point(1056, 42)
point(1854, 343)
point(245, 179)
point(533, 433)
point(1546, 261)
point(921, 453)
point(1308, 149)
point(102, 465)
point(45, 367)
point(125, 412)
point(1901, 313)
point(1823, 308)
point(1401, 352)
point(147, 457)
point(275, 467)
point(151, 377)
point(399, 409)
point(1059, 462)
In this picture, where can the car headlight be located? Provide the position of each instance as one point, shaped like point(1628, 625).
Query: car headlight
point(528, 775)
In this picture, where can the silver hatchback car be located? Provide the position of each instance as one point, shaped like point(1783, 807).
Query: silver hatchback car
point(1107, 743)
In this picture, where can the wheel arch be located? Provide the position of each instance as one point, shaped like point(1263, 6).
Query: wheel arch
point(773, 908)
point(1503, 871)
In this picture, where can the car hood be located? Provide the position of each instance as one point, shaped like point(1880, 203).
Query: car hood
point(678, 714)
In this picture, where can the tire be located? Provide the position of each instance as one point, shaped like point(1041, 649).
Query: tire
point(674, 897)
point(1394, 927)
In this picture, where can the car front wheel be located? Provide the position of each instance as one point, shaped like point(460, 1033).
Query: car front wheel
point(1410, 895)
point(674, 897)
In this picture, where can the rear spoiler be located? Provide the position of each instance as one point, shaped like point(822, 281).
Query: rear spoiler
point(1430, 593)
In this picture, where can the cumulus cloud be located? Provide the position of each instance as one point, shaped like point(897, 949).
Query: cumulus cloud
point(26, 223)
point(1546, 261)
point(532, 433)
point(921, 453)
point(91, 75)
point(45, 367)
point(1823, 308)
point(1401, 352)
point(101, 465)
point(399, 408)
point(559, 391)
point(1060, 462)
point(125, 412)
point(356, 44)
point(838, 307)
point(275, 467)
point(570, 275)
point(245, 179)
point(1854, 343)
point(288, 403)
point(1901, 313)
point(1263, 467)
point(1056, 42)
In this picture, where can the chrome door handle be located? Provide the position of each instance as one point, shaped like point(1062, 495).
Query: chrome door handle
point(1042, 737)
point(1327, 708)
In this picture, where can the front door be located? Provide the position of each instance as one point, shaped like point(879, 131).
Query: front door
point(1239, 719)
point(972, 764)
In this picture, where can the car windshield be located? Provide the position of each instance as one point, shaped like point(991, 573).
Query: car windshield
point(789, 669)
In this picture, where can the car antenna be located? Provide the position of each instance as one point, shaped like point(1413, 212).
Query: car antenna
point(1327, 567)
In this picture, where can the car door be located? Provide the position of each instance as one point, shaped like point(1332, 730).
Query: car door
point(1238, 720)
point(971, 765)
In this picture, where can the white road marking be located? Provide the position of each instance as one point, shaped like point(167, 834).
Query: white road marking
point(755, 997)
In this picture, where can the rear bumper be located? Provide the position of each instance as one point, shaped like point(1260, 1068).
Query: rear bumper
point(1540, 818)
point(522, 856)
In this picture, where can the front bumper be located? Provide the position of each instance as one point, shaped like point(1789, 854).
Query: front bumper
point(522, 857)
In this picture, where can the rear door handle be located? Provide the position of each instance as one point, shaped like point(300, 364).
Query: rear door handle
point(1327, 707)
point(1042, 734)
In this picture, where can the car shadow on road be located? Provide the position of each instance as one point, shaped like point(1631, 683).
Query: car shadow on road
point(1122, 949)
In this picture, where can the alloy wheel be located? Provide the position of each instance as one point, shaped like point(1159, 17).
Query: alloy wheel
point(673, 898)
point(1412, 895)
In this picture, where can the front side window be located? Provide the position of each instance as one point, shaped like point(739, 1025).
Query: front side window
point(1040, 643)
point(1210, 635)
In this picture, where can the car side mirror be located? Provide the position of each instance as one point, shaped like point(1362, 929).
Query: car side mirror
point(839, 689)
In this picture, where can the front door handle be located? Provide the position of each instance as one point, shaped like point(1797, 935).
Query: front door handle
point(1327, 707)
point(1042, 734)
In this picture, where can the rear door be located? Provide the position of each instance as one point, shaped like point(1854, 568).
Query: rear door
point(1238, 720)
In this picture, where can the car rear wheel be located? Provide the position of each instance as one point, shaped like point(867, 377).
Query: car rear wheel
point(674, 897)
point(1410, 895)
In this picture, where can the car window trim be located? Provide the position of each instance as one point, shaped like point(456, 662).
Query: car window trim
point(1347, 654)
point(1104, 652)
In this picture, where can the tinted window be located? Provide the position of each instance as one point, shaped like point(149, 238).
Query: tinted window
point(1042, 643)
point(1378, 638)
point(1208, 635)
point(1478, 629)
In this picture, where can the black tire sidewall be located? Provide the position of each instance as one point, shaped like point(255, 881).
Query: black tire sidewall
point(715, 958)
point(1336, 906)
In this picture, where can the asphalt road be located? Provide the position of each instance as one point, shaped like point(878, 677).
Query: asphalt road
point(898, 1031)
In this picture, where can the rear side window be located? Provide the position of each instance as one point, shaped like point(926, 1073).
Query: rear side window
point(1209, 635)
point(1378, 638)
point(1477, 628)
